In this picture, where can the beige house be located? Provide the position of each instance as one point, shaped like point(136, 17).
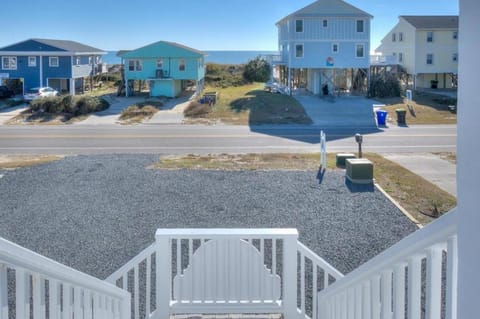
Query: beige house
point(426, 47)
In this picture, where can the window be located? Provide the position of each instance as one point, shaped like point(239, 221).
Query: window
point(455, 57)
point(77, 60)
point(160, 64)
point(394, 37)
point(430, 36)
point(9, 62)
point(360, 26)
point(430, 58)
point(455, 35)
point(53, 61)
point(400, 57)
point(298, 25)
point(325, 23)
point(299, 51)
point(32, 61)
point(360, 51)
point(134, 65)
point(400, 36)
point(181, 65)
point(90, 60)
point(335, 47)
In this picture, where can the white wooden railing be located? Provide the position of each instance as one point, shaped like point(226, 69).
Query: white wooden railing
point(225, 271)
point(33, 286)
point(416, 278)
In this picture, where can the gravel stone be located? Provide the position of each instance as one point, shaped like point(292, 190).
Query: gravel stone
point(95, 213)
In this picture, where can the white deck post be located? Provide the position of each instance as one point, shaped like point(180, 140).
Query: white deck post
point(290, 276)
point(164, 281)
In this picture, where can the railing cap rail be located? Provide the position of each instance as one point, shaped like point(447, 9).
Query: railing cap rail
point(14, 255)
point(206, 232)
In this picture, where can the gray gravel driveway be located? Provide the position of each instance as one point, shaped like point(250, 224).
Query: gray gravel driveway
point(95, 213)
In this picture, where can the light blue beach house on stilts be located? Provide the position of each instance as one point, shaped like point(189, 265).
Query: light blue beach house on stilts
point(167, 67)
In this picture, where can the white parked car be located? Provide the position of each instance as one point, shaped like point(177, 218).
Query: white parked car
point(36, 93)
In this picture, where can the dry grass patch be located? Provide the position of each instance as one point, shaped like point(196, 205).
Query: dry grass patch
point(424, 109)
point(248, 104)
point(448, 156)
point(17, 161)
point(415, 194)
point(139, 112)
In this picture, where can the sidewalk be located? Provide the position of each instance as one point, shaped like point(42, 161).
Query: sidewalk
point(431, 167)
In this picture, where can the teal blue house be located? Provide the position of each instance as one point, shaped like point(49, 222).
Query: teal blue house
point(166, 66)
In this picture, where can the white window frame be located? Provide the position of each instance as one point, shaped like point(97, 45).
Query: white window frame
point(363, 25)
point(455, 57)
point(8, 65)
point(356, 50)
point(159, 63)
point(325, 23)
point(430, 39)
point(135, 65)
point(50, 61)
point(400, 36)
point(338, 47)
point(394, 37)
point(296, 51)
point(431, 59)
point(182, 63)
point(303, 25)
point(32, 61)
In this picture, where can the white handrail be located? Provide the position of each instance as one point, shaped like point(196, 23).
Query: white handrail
point(29, 265)
point(371, 284)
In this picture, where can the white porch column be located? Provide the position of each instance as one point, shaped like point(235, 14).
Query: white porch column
point(72, 86)
point(468, 168)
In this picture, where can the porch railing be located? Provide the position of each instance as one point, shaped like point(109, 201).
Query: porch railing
point(225, 271)
point(33, 286)
point(416, 278)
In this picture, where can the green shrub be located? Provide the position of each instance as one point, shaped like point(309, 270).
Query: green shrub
point(383, 87)
point(257, 70)
point(76, 105)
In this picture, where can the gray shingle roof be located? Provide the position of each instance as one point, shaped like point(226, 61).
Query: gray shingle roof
point(432, 22)
point(68, 45)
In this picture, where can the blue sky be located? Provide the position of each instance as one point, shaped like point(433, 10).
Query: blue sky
point(202, 24)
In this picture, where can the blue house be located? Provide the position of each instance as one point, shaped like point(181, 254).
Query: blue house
point(325, 45)
point(166, 66)
point(60, 64)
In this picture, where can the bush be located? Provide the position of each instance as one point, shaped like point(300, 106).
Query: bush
point(195, 109)
point(257, 70)
point(384, 87)
point(220, 75)
point(76, 105)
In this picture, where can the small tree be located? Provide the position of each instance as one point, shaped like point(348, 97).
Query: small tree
point(257, 70)
point(388, 86)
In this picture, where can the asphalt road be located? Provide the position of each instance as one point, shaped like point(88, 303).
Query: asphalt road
point(184, 139)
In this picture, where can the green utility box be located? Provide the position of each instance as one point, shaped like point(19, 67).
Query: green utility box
point(359, 171)
point(341, 157)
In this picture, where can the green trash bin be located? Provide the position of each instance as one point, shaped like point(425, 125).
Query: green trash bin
point(401, 116)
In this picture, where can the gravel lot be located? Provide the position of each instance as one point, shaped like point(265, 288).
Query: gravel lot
point(95, 213)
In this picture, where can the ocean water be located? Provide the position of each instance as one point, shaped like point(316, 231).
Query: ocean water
point(220, 57)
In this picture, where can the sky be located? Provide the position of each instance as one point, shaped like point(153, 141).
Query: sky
point(201, 24)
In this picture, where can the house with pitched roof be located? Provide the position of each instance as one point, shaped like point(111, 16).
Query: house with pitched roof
point(426, 47)
point(60, 64)
point(325, 47)
point(166, 66)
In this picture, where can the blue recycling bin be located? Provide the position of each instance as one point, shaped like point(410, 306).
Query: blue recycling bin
point(382, 117)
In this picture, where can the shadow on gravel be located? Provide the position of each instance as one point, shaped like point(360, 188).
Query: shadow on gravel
point(359, 188)
point(320, 175)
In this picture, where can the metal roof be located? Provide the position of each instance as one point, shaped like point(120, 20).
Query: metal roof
point(40, 45)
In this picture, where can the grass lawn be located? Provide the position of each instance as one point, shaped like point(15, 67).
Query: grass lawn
point(424, 109)
point(248, 104)
point(17, 161)
point(415, 194)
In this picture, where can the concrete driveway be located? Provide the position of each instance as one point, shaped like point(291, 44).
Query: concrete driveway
point(340, 111)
